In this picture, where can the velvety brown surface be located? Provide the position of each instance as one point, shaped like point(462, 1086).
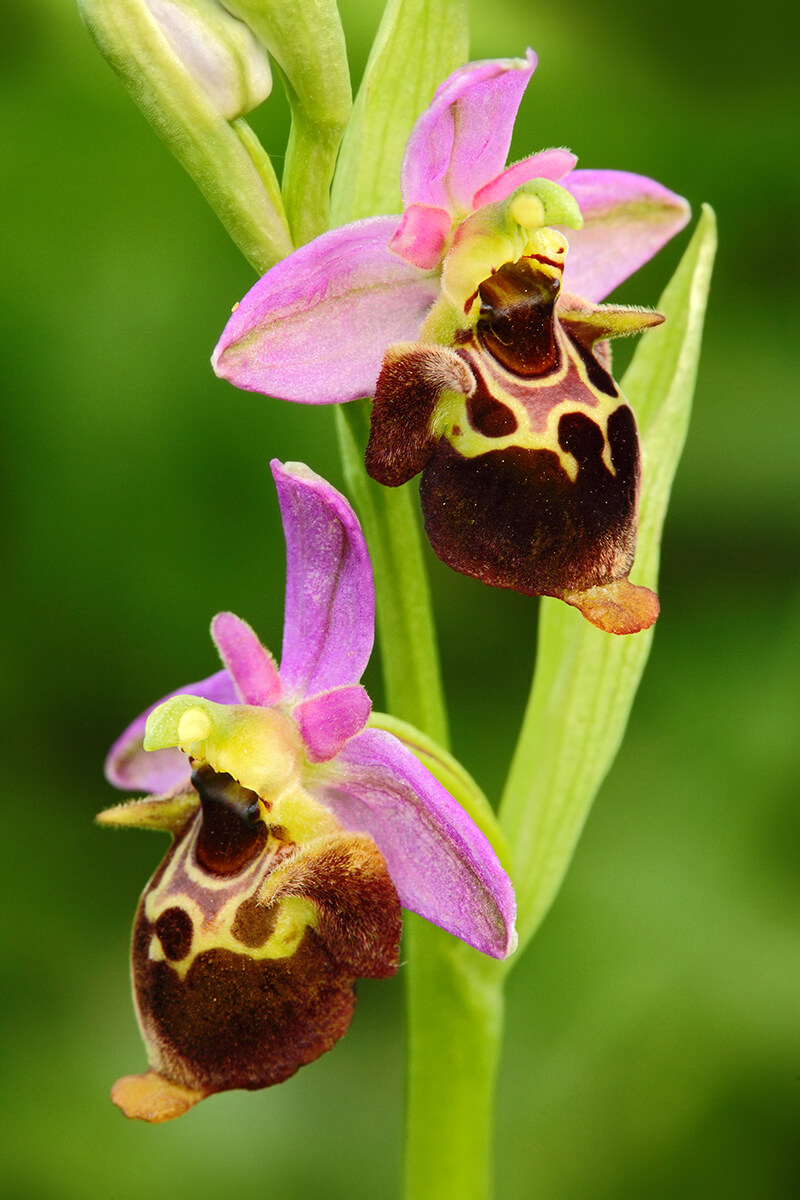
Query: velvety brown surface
point(513, 518)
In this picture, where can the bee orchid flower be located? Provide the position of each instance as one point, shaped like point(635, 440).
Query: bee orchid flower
point(297, 831)
point(475, 321)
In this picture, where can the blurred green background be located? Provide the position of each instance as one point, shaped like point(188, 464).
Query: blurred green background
point(654, 1026)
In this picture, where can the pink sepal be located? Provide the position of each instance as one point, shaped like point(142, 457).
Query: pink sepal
point(441, 864)
point(329, 616)
point(627, 219)
point(462, 138)
point(314, 328)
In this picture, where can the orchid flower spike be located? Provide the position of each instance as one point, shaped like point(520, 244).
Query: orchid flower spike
point(297, 834)
point(475, 322)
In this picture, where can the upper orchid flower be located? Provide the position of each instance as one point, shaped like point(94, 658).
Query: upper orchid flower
point(297, 831)
point(504, 401)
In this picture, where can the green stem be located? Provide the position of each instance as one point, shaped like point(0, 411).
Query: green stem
point(455, 1004)
point(455, 999)
point(307, 44)
point(455, 1023)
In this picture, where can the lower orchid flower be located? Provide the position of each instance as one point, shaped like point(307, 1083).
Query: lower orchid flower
point(476, 325)
point(297, 835)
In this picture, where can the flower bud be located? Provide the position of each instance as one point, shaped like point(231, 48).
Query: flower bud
point(219, 52)
point(194, 69)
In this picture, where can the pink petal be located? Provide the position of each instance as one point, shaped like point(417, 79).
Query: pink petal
point(547, 164)
point(133, 769)
point(421, 236)
point(314, 328)
point(441, 864)
point(461, 141)
point(627, 219)
point(251, 667)
point(330, 599)
point(329, 720)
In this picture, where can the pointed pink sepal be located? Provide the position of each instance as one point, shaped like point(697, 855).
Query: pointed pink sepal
point(329, 617)
point(626, 220)
point(441, 864)
point(314, 328)
point(462, 138)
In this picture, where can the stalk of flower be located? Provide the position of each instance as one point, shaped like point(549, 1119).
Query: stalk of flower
point(475, 320)
point(499, 390)
point(297, 834)
point(196, 68)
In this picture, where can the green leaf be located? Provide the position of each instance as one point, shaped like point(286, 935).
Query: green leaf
point(418, 44)
point(586, 680)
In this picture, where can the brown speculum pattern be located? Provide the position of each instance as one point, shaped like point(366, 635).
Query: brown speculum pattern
point(528, 450)
point(246, 947)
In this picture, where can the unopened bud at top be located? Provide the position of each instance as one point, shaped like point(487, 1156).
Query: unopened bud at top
point(219, 52)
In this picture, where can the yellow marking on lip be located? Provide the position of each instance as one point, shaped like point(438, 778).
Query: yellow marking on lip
point(186, 886)
point(295, 916)
point(451, 422)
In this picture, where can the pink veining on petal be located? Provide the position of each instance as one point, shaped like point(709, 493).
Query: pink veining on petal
point(461, 141)
point(134, 769)
point(421, 235)
point(627, 219)
point(547, 164)
point(330, 598)
point(314, 328)
point(251, 667)
point(441, 864)
point(329, 720)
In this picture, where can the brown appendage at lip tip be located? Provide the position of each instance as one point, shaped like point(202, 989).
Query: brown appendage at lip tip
point(513, 518)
